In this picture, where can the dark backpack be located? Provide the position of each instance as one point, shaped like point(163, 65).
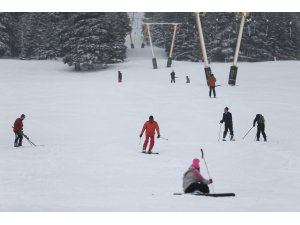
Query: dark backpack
point(261, 119)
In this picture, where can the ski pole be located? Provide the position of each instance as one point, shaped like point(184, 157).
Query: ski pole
point(164, 138)
point(30, 142)
point(247, 132)
point(140, 141)
point(202, 156)
point(220, 132)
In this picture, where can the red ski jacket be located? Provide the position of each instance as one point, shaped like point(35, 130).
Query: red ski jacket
point(212, 81)
point(18, 125)
point(150, 128)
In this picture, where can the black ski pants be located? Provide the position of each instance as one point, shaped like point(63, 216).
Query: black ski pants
point(18, 139)
point(228, 127)
point(212, 89)
point(261, 129)
point(197, 187)
point(172, 80)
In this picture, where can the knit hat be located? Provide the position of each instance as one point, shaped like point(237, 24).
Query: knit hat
point(151, 118)
point(196, 163)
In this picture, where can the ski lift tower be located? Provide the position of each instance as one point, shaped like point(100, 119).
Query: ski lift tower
point(233, 68)
point(172, 45)
point(154, 62)
point(202, 45)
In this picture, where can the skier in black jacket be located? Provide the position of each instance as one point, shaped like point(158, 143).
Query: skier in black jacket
point(260, 126)
point(172, 76)
point(119, 77)
point(227, 118)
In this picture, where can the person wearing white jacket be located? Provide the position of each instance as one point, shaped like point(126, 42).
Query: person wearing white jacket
point(193, 180)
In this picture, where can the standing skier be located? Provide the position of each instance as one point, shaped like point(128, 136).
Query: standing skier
point(188, 80)
point(18, 129)
point(119, 77)
point(150, 126)
point(172, 76)
point(193, 180)
point(260, 126)
point(227, 118)
point(212, 84)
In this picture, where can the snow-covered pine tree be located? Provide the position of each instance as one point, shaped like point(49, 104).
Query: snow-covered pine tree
point(95, 38)
point(6, 38)
point(186, 46)
point(118, 29)
point(37, 36)
point(220, 36)
point(282, 35)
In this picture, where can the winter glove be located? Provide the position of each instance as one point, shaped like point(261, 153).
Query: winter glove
point(141, 135)
point(158, 136)
point(210, 181)
point(221, 121)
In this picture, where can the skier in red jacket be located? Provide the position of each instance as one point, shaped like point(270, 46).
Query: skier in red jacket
point(212, 85)
point(150, 126)
point(18, 129)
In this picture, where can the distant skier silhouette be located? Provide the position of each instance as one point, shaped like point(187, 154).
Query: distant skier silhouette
point(172, 76)
point(119, 77)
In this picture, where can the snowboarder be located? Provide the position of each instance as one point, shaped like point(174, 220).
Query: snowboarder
point(193, 180)
point(18, 129)
point(187, 80)
point(260, 126)
point(172, 76)
point(150, 126)
point(119, 77)
point(212, 84)
point(227, 118)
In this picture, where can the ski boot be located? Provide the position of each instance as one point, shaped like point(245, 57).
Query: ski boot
point(150, 151)
point(231, 138)
point(224, 136)
point(265, 139)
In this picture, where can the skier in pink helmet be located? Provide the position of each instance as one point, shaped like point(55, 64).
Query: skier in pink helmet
point(193, 180)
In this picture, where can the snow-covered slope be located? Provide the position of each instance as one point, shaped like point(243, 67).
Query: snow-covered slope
point(90, 125)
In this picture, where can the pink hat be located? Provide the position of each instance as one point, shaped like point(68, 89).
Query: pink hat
point(196, 163)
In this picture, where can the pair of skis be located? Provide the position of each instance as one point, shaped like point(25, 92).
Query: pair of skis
point(151, 153)
point(208, 195)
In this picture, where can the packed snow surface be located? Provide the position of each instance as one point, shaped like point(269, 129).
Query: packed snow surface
point(89, 125)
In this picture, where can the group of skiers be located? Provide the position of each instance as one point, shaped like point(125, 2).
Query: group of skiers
point(193, 181)
point(211, 81)
point(192, 178)
point(173, 78)
point(151, 126)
